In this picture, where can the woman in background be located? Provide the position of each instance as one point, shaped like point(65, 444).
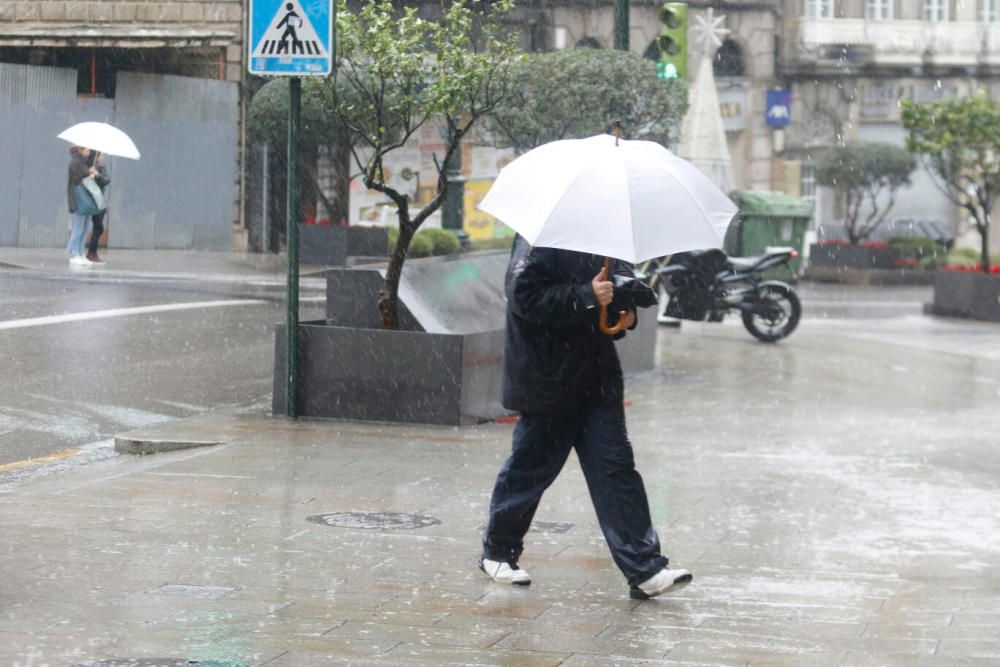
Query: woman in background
point(81, 205)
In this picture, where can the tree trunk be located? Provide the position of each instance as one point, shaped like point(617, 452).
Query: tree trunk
point(984, 232)
point(388, 302)
point(342, 183)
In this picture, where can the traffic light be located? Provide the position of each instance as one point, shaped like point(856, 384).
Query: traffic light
point(673, 41)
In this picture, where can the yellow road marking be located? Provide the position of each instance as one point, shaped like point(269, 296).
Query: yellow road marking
point(58, 456)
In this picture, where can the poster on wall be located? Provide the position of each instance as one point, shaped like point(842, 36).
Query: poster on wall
point(480, 225)
point(402, 173)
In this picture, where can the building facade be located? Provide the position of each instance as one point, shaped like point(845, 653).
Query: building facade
point(849, 63)
point(171, 71)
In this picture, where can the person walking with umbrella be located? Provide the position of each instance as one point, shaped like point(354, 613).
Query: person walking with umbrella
point(81, 204)
point(562, 373)
point(97, 228)
point(87, 169)
point(574, 205)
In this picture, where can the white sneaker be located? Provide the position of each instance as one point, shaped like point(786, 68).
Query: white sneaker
point(503, 572)
point(77, 260)
point(664, 581)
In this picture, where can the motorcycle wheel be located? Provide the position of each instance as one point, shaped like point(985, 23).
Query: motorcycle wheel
point(776, 316)
point(661, 308)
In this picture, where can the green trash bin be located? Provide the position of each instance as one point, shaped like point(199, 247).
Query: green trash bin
point(768, 219)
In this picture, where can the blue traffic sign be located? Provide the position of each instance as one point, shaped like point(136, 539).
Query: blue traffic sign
point(291, 37)
point(779, 108)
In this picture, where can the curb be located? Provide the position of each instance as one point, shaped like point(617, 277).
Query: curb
point(127, 445)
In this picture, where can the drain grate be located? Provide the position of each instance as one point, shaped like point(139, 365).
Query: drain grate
point(374, 520)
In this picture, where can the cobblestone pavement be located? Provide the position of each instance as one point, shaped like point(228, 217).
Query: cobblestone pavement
point(835, 495)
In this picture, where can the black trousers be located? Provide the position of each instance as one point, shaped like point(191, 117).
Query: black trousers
point(541, 445)
point(95, 234)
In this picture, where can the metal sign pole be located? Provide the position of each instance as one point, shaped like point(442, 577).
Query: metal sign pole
point(292, 38)
point(292, 225)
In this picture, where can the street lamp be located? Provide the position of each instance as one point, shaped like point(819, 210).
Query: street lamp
point(452, 211)
point(621, 25)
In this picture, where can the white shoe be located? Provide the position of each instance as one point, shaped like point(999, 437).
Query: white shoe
point(77, 260)
point(664, 581)
point(503, 572)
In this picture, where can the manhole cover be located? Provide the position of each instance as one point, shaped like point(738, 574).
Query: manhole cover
point(159, 662)
point(374, 520)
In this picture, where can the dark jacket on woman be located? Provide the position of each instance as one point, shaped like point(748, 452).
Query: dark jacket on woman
point(79, 169)
point(556, 360)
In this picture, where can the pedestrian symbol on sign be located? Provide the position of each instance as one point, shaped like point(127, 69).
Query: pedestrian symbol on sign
point(291, 22)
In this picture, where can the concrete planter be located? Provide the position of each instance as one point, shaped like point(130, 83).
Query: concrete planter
point(393, 376)
point(445, 364)
point(850, 257)
point(331, 246)
point(323, 245)
point(969, 295)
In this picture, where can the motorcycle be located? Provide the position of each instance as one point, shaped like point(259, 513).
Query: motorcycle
point(707, 284)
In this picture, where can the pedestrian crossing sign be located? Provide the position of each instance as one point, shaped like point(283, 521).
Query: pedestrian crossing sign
point(291, 37)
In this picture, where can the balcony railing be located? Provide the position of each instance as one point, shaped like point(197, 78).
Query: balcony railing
point(957, 43)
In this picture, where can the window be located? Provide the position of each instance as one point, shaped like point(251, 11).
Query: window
point(818, 9)
point(879, 10)
point(728, 60)
point(935, 10)
point(808, 183)
point(991, 11)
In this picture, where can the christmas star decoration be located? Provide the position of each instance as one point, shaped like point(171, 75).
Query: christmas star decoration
point(708, 31)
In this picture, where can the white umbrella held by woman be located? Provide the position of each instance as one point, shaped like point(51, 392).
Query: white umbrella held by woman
point(633, 200)
point(102, 138)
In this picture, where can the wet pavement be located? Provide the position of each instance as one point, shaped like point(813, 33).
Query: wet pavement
point(87, 354)
point(835, 496)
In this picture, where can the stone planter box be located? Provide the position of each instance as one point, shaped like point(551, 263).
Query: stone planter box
point(969, 295)
point(331, 246)
point(323, 245)
point(445, 364)
point(393, 376)
point(850, 257)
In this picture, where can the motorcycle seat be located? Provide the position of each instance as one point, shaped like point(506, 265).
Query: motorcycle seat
point(745, 263)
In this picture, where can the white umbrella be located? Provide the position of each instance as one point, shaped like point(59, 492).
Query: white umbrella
point(102, 138)
point(633, 200)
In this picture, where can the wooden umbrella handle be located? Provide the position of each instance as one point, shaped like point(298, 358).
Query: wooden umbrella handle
point(603, 322)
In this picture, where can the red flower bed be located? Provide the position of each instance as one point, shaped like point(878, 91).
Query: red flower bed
point(845, 242)
point(972, 268)
point(906, 262)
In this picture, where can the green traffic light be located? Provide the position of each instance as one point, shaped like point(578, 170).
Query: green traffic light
point(673, 41)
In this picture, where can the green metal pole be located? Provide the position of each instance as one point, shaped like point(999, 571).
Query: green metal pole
point(453, 210)
point(621, 25)
point(292, 223)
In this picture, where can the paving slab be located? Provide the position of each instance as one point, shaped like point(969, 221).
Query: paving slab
point(835, 496)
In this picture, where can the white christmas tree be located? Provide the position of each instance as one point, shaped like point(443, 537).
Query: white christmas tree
point(703, 138)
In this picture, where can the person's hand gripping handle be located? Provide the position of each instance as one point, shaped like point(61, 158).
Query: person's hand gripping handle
point(604, 290)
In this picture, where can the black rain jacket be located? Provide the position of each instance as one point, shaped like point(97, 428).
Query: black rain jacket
point(556, 360)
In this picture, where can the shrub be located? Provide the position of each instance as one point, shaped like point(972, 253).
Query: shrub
point(421, 246)
point(502, 243)
point(917, 249)
point(443, 241)
point(962, 257)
